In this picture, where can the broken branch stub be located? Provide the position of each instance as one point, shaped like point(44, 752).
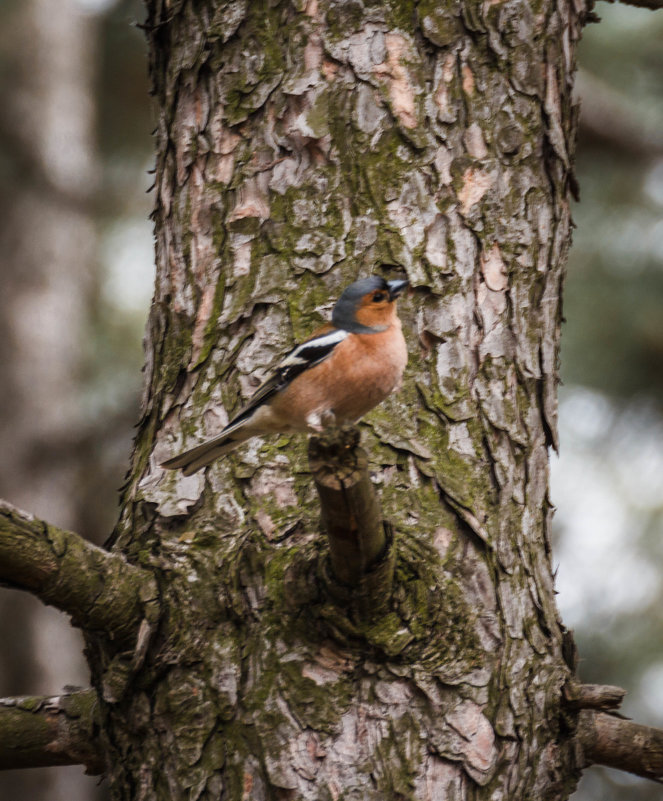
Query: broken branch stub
point(359, 547)
point(593, 696)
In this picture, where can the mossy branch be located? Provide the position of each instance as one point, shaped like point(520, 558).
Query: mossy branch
point(39, 731)
point(359, 546)
point(622, 744)
point(101, 591)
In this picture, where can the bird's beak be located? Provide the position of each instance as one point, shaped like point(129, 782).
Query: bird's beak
point(397, 287)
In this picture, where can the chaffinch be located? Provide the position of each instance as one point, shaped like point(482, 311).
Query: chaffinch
point(337, 375)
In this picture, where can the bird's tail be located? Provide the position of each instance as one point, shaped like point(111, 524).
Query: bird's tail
point(192, 460)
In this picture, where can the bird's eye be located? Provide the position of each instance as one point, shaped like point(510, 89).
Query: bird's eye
point(378, 297)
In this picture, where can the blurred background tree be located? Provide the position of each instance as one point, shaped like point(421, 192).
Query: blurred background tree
point(75, 286)
point(608, 481)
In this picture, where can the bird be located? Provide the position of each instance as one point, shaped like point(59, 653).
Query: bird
point(341, 372)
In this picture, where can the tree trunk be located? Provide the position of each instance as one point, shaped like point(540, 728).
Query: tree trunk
point(300, 146)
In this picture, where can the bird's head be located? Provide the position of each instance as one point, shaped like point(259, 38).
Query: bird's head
point(368, 306)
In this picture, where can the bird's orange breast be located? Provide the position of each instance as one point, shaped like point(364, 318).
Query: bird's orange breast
point(361, 372)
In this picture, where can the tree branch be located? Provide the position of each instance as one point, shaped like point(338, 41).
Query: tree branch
point(654, 5)
point(611, 117)
point(593, 696)
point(360, 550)
point(617, 743)
point(38, 731)
point(100, 590)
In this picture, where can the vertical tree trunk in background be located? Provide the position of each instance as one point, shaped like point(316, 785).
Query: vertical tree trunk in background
point(300, 145)
point(48, 249)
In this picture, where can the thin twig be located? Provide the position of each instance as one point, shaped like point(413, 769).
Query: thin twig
point(653, 5)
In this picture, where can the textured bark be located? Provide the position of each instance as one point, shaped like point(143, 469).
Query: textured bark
point(45, 732)
point(298, 146)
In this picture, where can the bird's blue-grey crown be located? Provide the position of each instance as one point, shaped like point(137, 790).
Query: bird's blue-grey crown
point(344, 314)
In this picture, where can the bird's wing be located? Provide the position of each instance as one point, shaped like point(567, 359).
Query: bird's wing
point(315, 350)
point(311, 352)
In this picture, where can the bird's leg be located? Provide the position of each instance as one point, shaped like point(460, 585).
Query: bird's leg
point(318, 422)
point(314, 423)
point(328, 419)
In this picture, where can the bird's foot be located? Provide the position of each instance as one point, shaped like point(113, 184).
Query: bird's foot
point(318, 422)
point(328, 419)
point(334, 442)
